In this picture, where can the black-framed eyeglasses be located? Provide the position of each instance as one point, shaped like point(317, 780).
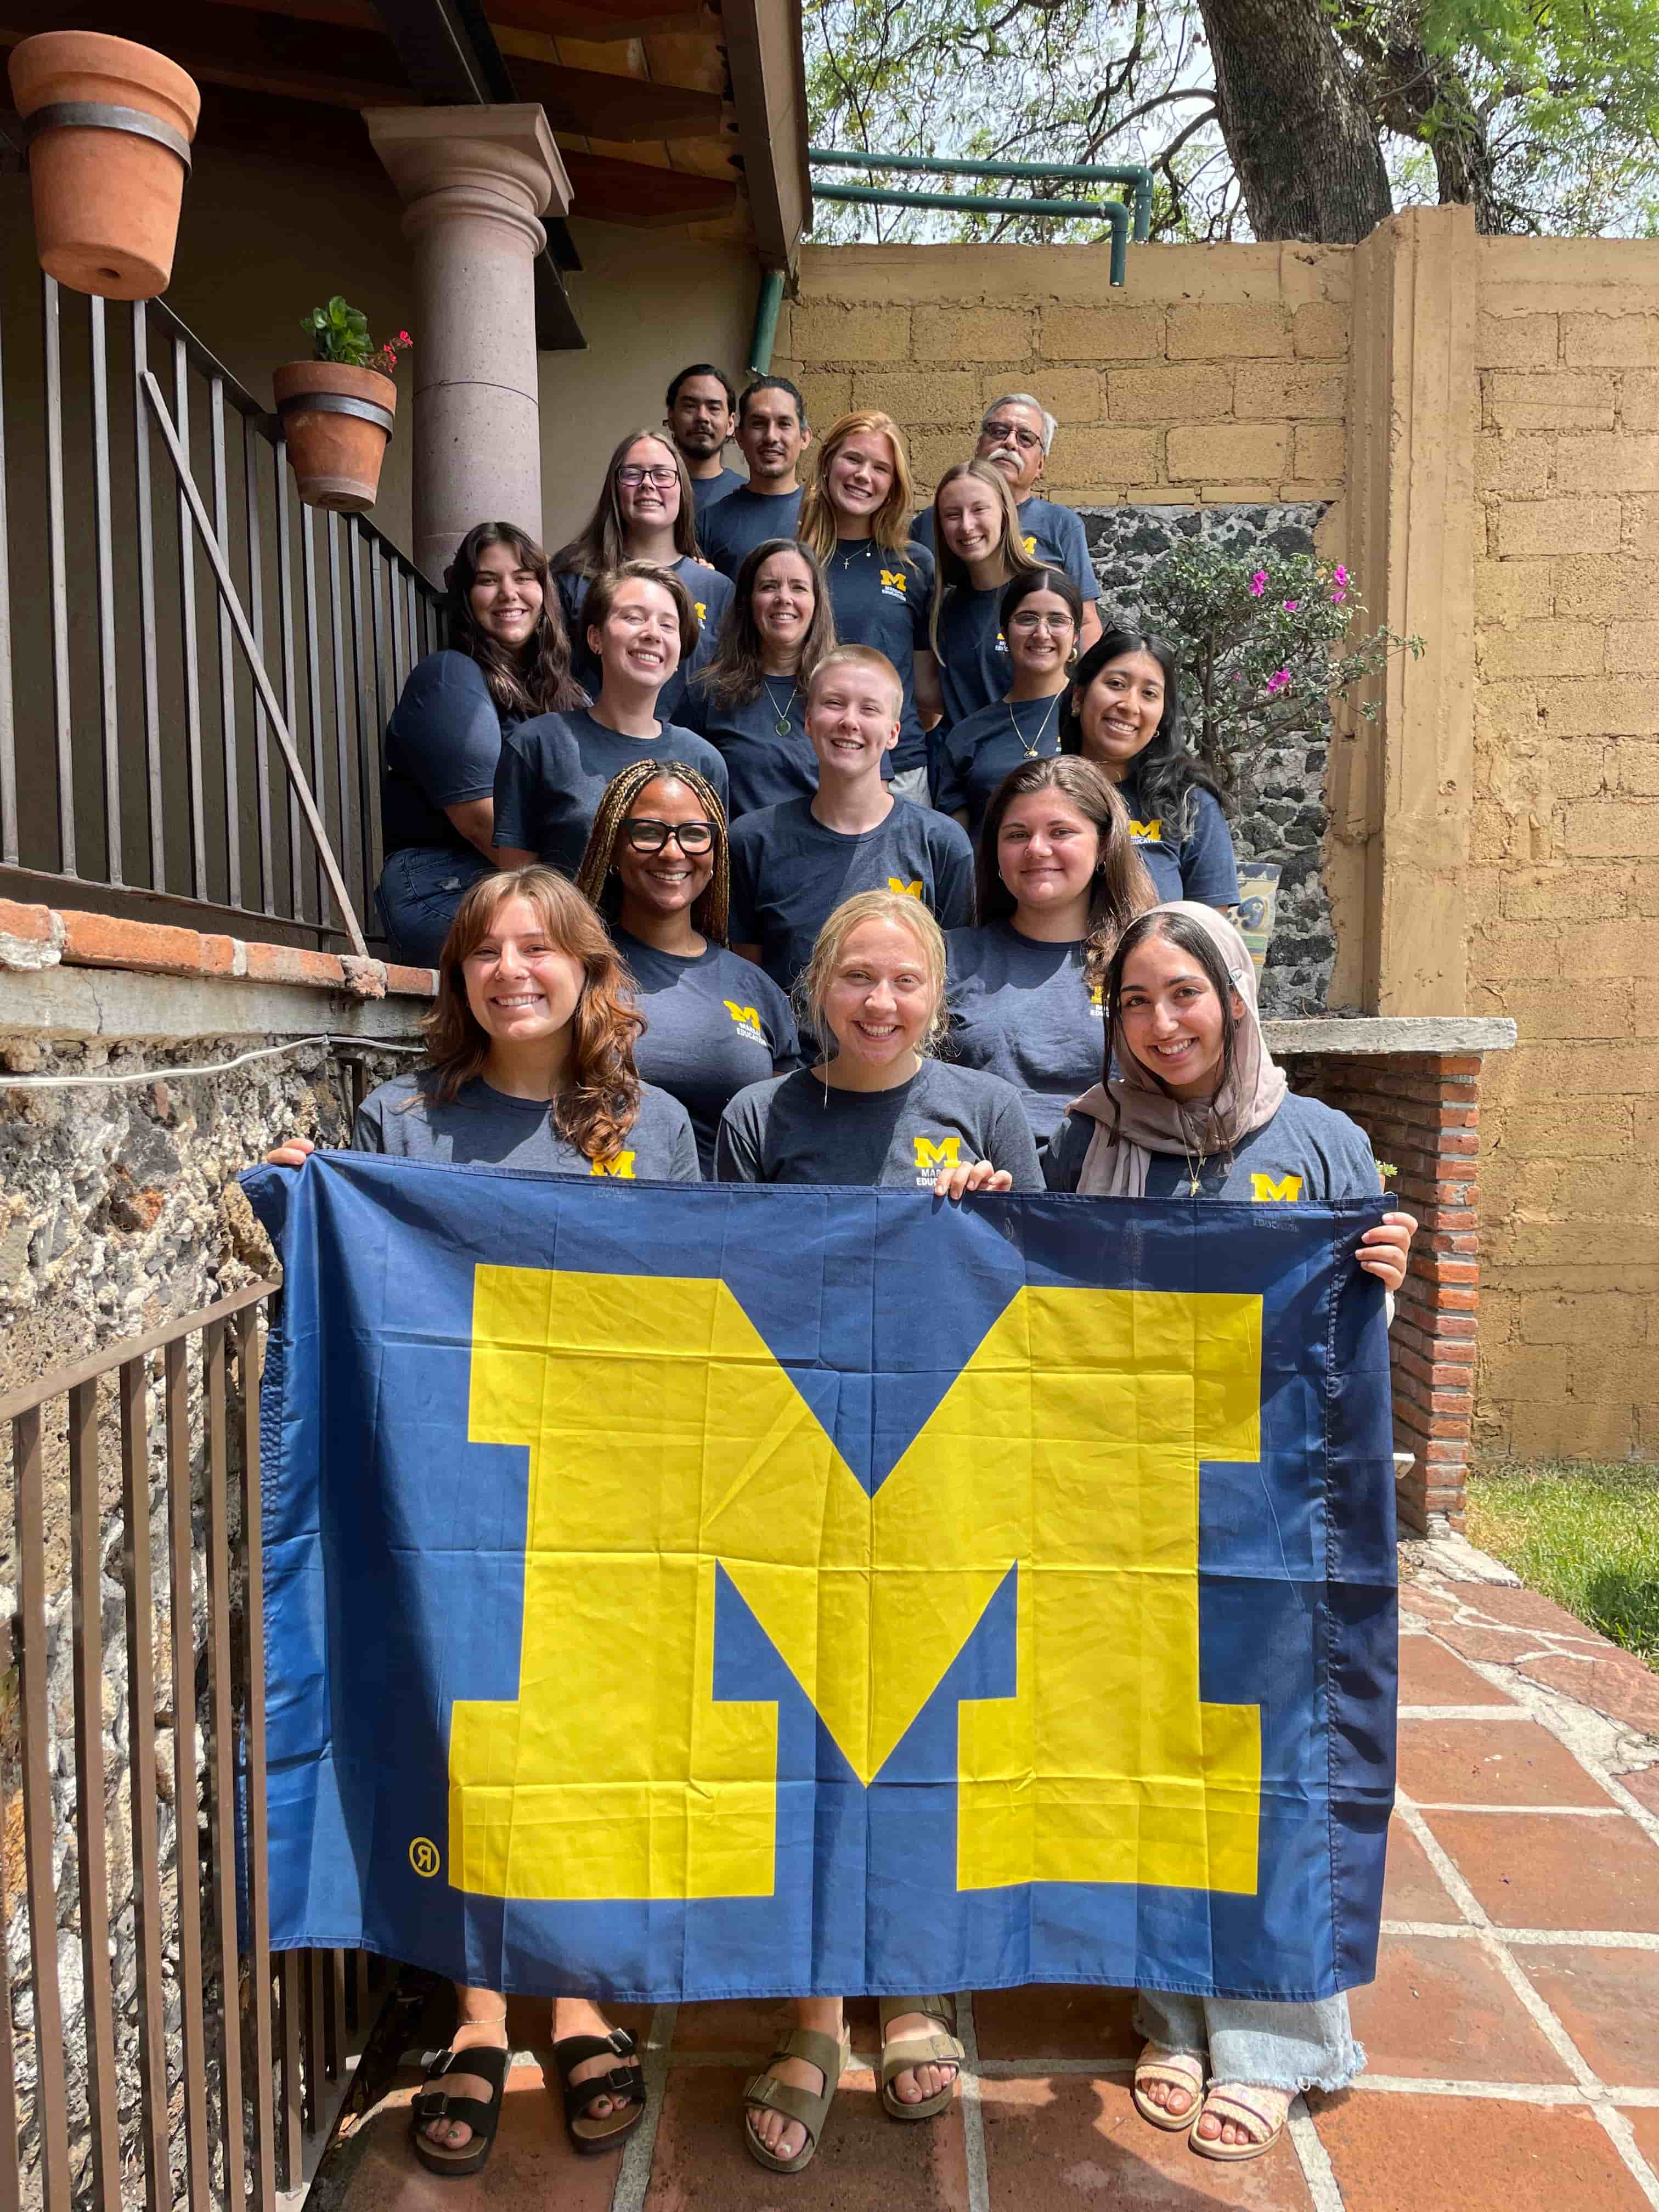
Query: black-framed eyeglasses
point(1012, 434)
point(646, 835)
point(632, 474)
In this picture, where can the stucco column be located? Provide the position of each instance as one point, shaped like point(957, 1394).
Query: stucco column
point(475, 182)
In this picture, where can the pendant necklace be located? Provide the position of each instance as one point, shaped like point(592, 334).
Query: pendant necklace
point(861, 551)
point(1194, 1167)
point(1032, 750)
point(781, 724)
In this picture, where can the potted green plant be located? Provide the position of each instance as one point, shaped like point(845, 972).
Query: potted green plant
point(337, 410)
point(1265, 641)
point(110, 125)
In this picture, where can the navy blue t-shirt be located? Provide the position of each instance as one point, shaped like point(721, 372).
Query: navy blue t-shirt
point(976, 754)
point(711, 595)
point(881, 600)
point(798, 1129)
point(1026, 1012)
point(714, 1023)
point(1200, 865)
point(744, 520)
point(789, 875)
point(1052, 534)
point(974, 667)
point(709, 491)
point(1306, 1151)
point(554, 769)
point(766, 766)
point(443, 740)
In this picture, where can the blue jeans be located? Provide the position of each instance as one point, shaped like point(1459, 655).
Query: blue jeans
point(1277, 2046)
point(418, 892)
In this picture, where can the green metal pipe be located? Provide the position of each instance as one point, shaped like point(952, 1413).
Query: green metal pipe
point(1139, 176)
point(768, 301)
point(1111, 211)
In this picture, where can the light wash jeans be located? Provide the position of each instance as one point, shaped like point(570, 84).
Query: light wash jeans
point(1246, 2039)
point(419, 889)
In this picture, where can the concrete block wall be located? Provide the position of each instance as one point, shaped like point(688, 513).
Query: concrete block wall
point(1563, 874)
point(1218, 374)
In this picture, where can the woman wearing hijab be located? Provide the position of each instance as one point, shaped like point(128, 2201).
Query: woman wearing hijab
point(1199, 1110)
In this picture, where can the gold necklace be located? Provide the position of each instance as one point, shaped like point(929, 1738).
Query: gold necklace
point(1194, 1167)
point(781, 724)
point(1032, 751)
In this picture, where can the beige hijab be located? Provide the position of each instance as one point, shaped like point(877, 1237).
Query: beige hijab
point(1148, 1120)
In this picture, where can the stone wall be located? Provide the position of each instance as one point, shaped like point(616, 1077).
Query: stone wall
point(1280, 810)
point(1564, 840)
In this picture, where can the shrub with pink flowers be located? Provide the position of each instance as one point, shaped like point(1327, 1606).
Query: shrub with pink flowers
point(1266, 642)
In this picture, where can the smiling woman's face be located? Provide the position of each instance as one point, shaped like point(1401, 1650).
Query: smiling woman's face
point(1121, 711)
point(880, 999)
point(520, 986)
point(640, 639)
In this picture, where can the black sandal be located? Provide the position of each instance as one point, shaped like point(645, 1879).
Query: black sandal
point(623, 2085)
point(490, 2065)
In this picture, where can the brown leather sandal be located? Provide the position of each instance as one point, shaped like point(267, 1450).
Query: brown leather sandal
point(910, 2052)
point(764, 2093)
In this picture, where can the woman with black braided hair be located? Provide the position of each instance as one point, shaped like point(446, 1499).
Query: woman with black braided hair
point(656, 867)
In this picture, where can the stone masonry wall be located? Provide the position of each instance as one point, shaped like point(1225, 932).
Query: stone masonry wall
point(1208, 395)
point(1564, 861)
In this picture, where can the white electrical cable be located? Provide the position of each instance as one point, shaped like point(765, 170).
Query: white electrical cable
point(179, 1075)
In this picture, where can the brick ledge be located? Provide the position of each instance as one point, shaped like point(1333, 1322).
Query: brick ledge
point(36, 937)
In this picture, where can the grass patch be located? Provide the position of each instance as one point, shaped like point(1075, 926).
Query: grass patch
point(1582, 1532)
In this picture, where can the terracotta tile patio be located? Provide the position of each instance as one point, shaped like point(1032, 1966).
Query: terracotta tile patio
point(1513, 2030)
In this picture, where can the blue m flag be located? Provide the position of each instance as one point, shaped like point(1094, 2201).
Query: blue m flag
point(685, 1592)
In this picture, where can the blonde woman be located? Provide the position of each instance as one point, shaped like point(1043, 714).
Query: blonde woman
point(875, 1103)
point(980, 552)
point(852, 519)
point(646, 511)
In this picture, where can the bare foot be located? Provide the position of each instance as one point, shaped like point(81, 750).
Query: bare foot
point(1169, 2097)
point(918, 2083)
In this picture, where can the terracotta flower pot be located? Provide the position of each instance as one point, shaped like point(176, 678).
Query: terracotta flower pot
point(110, 126)
point(336, 421)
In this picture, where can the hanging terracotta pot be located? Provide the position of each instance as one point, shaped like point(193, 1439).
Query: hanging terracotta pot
point(109, 126)
point(336, 421)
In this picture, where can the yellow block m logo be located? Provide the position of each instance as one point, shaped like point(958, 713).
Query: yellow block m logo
point(746, 1018)
point(666, 1444)
point(619, 1163)
point(1150, 833)
point(940, 1155)
point(912, 890)
point(895, 579)
point(1264, 1188)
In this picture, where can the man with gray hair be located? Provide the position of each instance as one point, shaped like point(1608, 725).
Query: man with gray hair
point(1015, 437)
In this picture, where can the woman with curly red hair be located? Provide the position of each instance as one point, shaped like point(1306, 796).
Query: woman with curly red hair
point(530, 1065)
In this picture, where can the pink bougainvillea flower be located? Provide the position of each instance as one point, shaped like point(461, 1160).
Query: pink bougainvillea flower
point(1338, 598)
point(1291, 606)
point(1341, 575)
point(1279, 679)
point(1258, 583)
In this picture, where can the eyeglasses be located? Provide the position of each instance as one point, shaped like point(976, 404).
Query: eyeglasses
point(1012, 434)
point(1058, 623)
point(631, 475)
point(645, 835)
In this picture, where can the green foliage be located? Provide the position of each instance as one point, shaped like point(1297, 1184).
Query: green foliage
point(1584, 1532)
point(1257, 635)
point(1544, 112)
point(340, 334)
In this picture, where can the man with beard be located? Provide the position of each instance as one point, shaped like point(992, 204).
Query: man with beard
point(772, 430)
point(702, 416)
